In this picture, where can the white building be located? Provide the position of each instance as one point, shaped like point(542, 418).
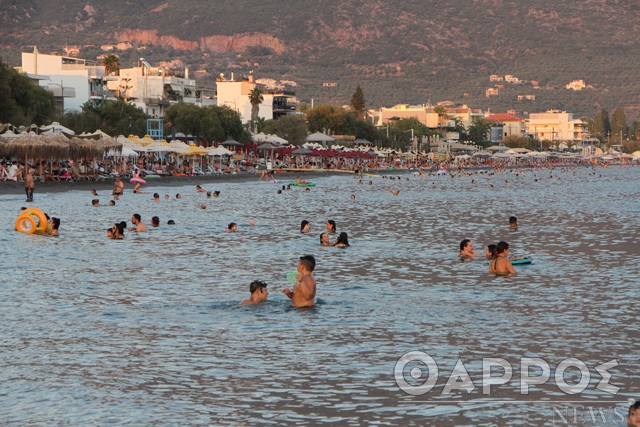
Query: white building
point(152, 89)
point(70, 79)
point(235, 95)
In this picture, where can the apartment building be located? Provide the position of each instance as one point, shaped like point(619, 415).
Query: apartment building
point(556, 125)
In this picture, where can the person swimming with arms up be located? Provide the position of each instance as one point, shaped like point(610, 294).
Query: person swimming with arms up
point(259, 293)
point(304, 290)
point(501, 264)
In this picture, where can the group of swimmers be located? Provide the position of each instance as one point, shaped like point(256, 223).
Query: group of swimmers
point(497, 255)
point(342, 241)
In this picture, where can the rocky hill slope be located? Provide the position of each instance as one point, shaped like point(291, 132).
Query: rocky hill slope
point(398, 51)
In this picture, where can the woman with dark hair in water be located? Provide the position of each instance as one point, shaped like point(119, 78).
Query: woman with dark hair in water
point(305, 227)
point(331, 226)
point(343, 240)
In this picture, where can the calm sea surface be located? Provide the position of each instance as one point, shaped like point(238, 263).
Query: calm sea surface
point(149, 330)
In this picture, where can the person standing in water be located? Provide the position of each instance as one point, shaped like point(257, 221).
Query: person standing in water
point(30, 185)
point(304, 290)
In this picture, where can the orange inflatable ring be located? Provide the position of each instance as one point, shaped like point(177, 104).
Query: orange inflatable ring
point(26, 222)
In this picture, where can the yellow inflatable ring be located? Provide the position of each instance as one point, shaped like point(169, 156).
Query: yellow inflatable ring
point(27, 224)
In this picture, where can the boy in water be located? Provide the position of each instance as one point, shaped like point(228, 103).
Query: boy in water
point(304, 291)
point(258, 291)
point(513, 222)
point(633, 419)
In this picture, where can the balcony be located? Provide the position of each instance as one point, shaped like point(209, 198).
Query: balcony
point(156, 101)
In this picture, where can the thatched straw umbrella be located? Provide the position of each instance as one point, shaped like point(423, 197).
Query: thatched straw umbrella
point(32, 146)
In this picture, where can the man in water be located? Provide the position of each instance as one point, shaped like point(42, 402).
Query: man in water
point(304, 290)
point(258, 291)
point(140, 227)
point(118, 187)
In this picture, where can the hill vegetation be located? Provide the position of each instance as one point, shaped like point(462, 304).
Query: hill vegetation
point(401, 51)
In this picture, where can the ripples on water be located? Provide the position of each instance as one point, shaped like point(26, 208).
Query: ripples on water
point(148, 331)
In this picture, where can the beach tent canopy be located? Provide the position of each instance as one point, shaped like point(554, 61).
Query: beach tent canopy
point(33, 146)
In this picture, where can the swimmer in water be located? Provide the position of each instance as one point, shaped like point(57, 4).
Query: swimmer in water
point(304, 290)
point(199, 189)
point(633, 418)
point(324, 239)
point(55, 225)
point(155, 222)
point(305, 227)
point(140, 227)
point(95, 202)
point(466, 250)
point(112, 203)
point(342, 241)
point(490, 252)
point(232, 227)
point(258, 291)
point(501, 264)
point(156, 197)
point(94, 192)
point(513, 222)
point(331, 226)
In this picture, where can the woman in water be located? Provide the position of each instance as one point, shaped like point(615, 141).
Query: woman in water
point(501, 264)
point(343, 240)
point(55, 225)
point(466, 250)
point(490, 253)
point(324, 239)
point(331, 226)
point(305, 227)
point(232, 227)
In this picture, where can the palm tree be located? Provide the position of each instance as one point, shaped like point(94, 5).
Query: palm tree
point(255, 98)
point(111, 64)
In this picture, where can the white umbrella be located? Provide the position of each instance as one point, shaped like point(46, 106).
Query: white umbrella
point(219, 151)
point(126, 152)
point(319, 137)
point(179, 147)
point(57, 127)
point(276, 139)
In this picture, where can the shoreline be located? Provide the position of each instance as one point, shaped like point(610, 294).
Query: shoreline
point(12, 187)
point(285, 176)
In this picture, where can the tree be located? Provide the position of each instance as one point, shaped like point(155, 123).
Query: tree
point(599, 126)
point(111, 64)
point(22, 101)
point(618, 124)
point(477, 132)
point(255, 98)
point(292, 128)
point(112, 117)
point(358, 104)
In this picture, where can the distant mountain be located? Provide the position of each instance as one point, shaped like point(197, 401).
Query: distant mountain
point(410, 51)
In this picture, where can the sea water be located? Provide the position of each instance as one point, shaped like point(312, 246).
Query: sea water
point(150, 331)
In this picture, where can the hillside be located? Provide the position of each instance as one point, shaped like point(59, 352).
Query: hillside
point(398, 51)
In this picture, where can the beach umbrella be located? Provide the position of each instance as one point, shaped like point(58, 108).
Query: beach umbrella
point(32, 146)
point(232, 143)
point(319, 137)
point(180, 147)
point(219, 151)
point(275, 139)
point(266, 146)
point(57, 127)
